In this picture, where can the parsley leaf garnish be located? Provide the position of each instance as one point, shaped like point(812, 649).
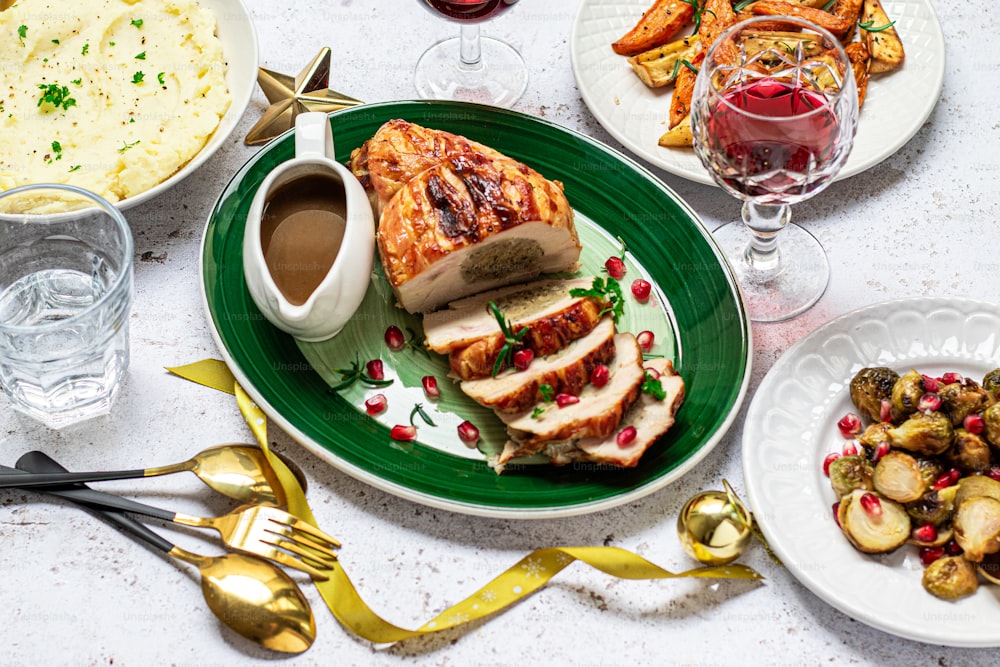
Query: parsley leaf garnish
point(607, 290)
point(159, 77)
point(56, 95)
point(138, 77)
point(140, 56)
point(22, 32)
point(126, 146)
point(85, 49)
point(75, 167)
point(652, 386)
point(136, 22)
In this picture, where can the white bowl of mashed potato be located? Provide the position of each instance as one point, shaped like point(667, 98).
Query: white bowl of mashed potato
point(122, 97)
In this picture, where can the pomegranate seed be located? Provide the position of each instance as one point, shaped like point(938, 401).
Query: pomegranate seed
point(653, 373)
point(403, 433)
point(851, 448)
point(952, 548)
point(925, 533)
point(600, 375)
point(930, 554)
point(376, 404)
point(994, 473)
point(641, 289)
point(932, 385)
point(880, 450)
point(625, 436)
point(946, 479)
point(929, 403)
point(394, 338)
point(430, 386)
point(974, 424)
point(562, 400)
point(468, 433)
point(836, 513)
point(523, 358)
point(951, 378)
point(375, 370)
point(849, 425)
point(871, 504)
point(615, 267)
point(830, 458)
point(645, 340)
point(885, 411)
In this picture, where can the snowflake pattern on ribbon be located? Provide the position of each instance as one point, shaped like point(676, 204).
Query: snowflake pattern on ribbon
point(533, 568)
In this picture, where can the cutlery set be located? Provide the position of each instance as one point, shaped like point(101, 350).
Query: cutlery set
point(245, 587)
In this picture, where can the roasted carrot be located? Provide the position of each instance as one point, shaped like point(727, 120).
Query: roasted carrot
point(658, 25)
point(837, 25)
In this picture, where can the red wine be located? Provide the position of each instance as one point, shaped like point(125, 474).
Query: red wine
point(468, 11)
point(773, 137)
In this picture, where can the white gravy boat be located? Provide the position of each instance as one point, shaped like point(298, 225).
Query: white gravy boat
point(309, 242)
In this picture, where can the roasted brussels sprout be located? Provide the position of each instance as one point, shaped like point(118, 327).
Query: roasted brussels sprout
point(924, 433)
point(960, 399)
point(898, 476)
point(877, 531)
point(869, 386)
point(942, 535)
point(934, 507)
point(875, 434)
point(977, 526)
point(991, 382)
point(950, 578)
point(991, 418)
point(850, 472)
point(906, 394)
point(968, 452)
point(976, 485)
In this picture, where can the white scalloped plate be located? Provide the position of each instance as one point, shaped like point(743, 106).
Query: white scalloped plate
point(895, 108)
point(791, 426)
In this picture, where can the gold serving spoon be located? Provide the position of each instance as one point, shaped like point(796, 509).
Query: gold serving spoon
point(236, 470)
point(253, 597)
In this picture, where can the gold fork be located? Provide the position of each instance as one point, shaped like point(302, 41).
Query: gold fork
point(262, 530)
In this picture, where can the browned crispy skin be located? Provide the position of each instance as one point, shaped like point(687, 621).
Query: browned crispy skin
point(849, 10)
point(837, 25)
point(860, 57)
point(658, 25)
point(680, 102)
point(545, 336)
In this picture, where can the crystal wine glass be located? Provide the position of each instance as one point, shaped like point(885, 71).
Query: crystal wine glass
point(469, 67)
point(774, 118)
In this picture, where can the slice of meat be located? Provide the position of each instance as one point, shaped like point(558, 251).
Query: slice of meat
point(400, 150)
point(471, 224)
point(469, 331)
point(566, 371)
point(650, 417)
point(597, 414)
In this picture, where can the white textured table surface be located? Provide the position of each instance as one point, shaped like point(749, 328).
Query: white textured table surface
point(75, 592)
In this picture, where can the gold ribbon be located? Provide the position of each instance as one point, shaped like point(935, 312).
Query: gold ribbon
point(522, 579)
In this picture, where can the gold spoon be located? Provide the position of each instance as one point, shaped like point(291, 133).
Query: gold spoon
point(253, 597)
point(238, 471)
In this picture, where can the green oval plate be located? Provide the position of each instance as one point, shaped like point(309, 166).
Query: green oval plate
point(695, 312)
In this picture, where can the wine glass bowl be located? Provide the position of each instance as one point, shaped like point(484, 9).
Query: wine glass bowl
point(469, 67)
point(773, 117)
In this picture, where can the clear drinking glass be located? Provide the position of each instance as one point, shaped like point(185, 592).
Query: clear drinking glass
point(469, 67)
point(66, 290)
point(774, 118)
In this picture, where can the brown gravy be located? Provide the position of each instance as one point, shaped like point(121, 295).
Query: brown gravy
point(301, 233)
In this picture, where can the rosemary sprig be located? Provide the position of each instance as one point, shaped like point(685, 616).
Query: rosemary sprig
point(867, 25)
point(698, 11)
point(653, 386)
point(686, 63)
point(743, 4)
point(607, 289)
point(348, 376)
point(512, 341)
point(829, 5)
point(418, 409)
point(416, 344)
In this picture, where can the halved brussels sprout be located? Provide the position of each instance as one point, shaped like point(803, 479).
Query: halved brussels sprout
point(906, 394)
point(950, 578)
point(933, 507)
point(898, 476)
point(976, 485)
point(849, 473)
point(925, 433)
point(960, 399)
point(945, 534)
point(875, 434)
point(869, 386)
point(873, 532)
point(977, 526)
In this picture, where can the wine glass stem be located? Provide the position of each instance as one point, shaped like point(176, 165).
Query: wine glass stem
point(766, 222)
point(471, 49)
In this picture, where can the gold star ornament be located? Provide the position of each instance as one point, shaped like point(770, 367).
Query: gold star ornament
point(309, 91)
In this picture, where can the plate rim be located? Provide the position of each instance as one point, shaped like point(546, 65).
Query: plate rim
point(851, 168)
point(755, 481)
point(465, 507)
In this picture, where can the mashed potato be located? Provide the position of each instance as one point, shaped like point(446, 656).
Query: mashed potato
point(109, 95)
